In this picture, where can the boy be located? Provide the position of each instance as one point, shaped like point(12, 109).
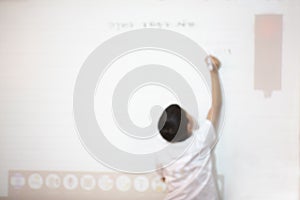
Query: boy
point(192, 177)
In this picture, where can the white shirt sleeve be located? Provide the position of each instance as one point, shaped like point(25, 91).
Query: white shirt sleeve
point(207, 135)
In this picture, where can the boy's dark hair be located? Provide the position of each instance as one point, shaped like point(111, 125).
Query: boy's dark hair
point(172, 124)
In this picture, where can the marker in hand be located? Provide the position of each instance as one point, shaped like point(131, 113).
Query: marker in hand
point(212, 63)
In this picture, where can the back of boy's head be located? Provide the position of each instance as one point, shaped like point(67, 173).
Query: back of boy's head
point(172, 124)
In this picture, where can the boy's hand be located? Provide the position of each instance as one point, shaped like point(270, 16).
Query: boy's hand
point(214, 62)
point(214, 113)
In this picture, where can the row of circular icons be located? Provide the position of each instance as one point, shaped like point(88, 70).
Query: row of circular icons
point(88, 182)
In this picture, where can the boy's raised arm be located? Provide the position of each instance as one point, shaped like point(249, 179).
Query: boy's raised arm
point(214, 112)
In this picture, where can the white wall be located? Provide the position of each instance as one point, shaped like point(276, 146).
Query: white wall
point(44, 43)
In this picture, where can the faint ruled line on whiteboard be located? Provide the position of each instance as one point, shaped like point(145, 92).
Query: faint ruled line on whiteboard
point(268, 53)
point(152, 24)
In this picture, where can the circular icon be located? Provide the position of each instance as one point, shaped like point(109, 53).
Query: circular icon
point(99, 62)
point(141, 183)
point(53, 181)
point(70, 182)
point(158, 185)
point(87, 182)
point(35, 181)
point(17, 181)
point(105, 182)
point(123, 183)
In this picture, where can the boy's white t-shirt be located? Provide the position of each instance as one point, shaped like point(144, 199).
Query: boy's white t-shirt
point(192, 176)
